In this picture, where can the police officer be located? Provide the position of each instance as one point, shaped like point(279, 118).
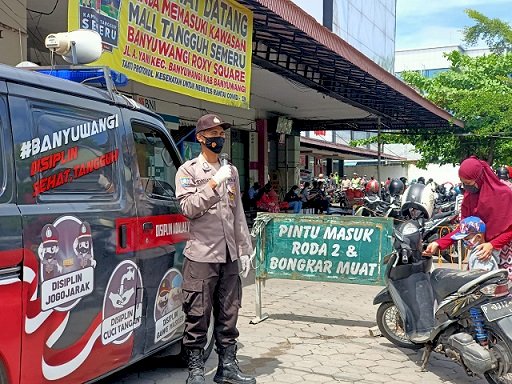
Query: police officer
point(209, 195)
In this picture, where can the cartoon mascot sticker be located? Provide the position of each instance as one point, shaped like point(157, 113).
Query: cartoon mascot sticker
point(168, 311)
point(67, 263)
point(48, 250)
point(83, 246)
point(122, 305)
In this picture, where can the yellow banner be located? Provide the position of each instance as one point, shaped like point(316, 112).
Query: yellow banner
point(200, 48)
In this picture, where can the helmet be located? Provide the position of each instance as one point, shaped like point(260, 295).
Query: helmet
point(502, 173)
point(372, 186)
point(420, 197)
point(396, 187)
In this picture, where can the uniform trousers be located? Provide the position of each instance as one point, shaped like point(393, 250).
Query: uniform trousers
point(208, 286)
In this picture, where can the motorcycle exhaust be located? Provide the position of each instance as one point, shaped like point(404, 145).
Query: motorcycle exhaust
point(477, 358)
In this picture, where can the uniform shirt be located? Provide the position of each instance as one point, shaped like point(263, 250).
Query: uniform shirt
point(217, 218)
point(345, 184)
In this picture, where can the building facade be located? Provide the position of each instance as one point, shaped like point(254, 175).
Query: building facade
point(430, 61)
point(284, 82)
point(370, 27)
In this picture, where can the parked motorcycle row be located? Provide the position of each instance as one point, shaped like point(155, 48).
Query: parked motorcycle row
point(466, 316)
point(443, 220)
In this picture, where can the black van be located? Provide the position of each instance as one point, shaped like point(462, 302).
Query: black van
point(91, 234)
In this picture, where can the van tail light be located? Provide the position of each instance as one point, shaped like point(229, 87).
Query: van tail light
point(495, 290)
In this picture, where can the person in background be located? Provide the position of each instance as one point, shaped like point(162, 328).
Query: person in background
point(293, 199)
point(253, 190)
point(306, 196)
point(345, 183)
point(336, 178)
point(269, 201)
point(209, 196)
point(489, 199)
point(356, 181)
point(320, 201)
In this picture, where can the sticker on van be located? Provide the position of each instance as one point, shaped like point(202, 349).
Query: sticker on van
point(168, 312)
point(122, 304)
point(66, 263)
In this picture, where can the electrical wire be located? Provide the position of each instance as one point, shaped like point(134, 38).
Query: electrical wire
point(46, 13)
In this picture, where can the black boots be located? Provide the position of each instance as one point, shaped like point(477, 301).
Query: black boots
point(195, 366)
point(228, 371)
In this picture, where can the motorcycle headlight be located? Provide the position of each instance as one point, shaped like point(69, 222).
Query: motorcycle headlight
point(409, 229)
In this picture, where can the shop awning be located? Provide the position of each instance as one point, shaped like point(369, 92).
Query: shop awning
point(293, 44)
point(331, 150)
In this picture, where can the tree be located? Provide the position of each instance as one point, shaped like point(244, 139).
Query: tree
point(496, 33)
point(476, 90)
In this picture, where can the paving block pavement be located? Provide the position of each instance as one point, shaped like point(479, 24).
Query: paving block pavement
point(316, 333)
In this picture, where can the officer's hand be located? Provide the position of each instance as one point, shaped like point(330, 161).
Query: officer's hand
point(222, 174)
point(245, 260)
point(432, 248)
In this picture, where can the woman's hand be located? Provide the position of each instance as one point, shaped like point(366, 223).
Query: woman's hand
point(484, 251)
point(432, 249)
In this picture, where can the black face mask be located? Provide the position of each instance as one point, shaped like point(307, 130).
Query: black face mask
point(218, 141)
point(471, 188)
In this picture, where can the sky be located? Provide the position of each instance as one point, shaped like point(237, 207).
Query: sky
point(430, 23)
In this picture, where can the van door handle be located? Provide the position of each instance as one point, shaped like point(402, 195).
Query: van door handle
point(147, 226)
point(123, 236)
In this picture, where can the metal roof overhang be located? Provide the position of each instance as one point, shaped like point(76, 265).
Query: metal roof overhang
point(332, 150)
point(288, 41)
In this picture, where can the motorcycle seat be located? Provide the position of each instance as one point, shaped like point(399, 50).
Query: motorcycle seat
point(446, 281)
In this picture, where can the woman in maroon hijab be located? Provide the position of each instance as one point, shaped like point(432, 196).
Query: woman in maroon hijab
point(486, 197)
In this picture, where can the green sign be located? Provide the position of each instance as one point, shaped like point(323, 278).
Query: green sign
point(322, 248)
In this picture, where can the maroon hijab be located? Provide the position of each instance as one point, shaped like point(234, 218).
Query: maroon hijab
point(493, 204)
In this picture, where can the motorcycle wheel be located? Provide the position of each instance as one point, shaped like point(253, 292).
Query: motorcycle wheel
point(391, 326)
point(502, 351)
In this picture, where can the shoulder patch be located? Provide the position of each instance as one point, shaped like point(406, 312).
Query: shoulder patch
point(186, 181)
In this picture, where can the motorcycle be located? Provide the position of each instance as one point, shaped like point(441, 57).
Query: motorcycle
point(377, 207)
point(465, 315)
point(439, 225)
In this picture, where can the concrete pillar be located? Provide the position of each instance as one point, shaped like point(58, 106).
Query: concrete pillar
point(288, 162)
point(253, 158)
point(262, 162)
point(329, 168)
